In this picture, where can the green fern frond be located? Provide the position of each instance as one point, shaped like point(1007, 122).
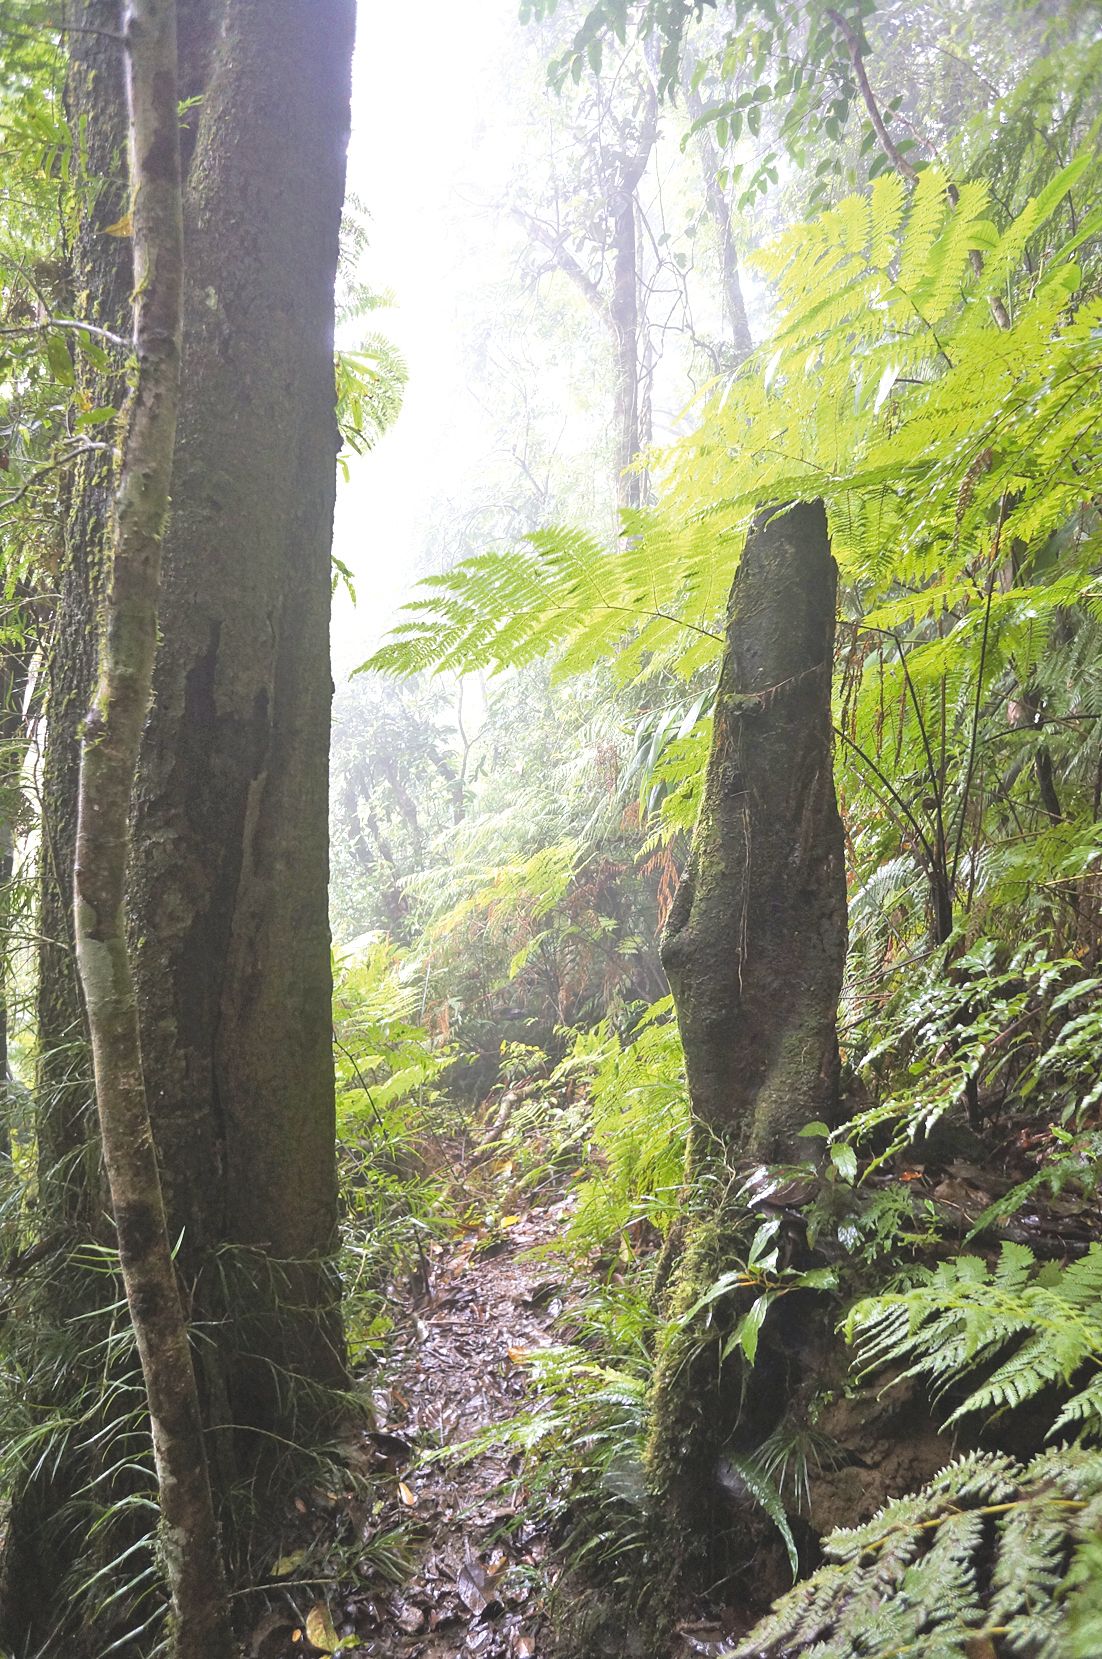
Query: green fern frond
point(986, 1551)
point(870, 298)
point(1025, 1328)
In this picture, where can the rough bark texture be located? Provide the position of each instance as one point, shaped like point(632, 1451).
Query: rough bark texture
point(230, 903)
point(754, 949)
point(755, 942)
point(112, 732)
point(229, 874)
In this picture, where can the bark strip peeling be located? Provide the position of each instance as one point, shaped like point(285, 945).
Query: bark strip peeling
point(109, 752)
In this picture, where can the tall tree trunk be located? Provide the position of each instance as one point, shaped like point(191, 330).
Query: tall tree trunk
point(754, 949)
point(622, 310)
point(734, 305)
point(755, 942)
point(109, 752)
point(626, 315)
point(228, 877)
point(230, 883)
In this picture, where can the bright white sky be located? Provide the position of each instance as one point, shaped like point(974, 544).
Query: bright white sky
point(423, 160)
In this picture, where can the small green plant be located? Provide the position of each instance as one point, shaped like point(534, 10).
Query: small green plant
point(1027, 1022)
point(638, 1127)
point(581, 1443)
point(393, 1162)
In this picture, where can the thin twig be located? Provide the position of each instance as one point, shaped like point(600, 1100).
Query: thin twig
point(48, 323)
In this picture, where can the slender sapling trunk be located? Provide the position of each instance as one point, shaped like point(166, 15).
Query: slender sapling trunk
point(109, 754)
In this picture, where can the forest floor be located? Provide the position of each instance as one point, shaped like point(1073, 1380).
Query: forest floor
point(475, 1566)
point(456, 1369)
point(449, 1545)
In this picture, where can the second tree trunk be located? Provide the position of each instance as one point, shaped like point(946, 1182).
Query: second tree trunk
point(756, 939)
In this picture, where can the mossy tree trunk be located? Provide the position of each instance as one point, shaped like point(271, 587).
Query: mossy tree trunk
point(756, 939)
point(230, 882)
point(754, 949)
point(227, 881)
point(109, 752)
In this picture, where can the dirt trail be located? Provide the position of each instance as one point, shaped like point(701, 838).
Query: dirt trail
point(470, 1556)
point(456, 1366)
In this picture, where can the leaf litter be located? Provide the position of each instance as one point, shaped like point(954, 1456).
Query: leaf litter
point(468, 1566)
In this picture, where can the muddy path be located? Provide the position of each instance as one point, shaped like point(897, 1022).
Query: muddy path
point(446, 1555)
point(456, 1367)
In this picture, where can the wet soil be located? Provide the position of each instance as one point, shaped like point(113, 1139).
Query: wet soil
point(448, 1557)
point(457, 1368)
point(438, 1554)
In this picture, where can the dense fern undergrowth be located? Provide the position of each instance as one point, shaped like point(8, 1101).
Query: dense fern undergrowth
point(933, 376)
point(890, 1235)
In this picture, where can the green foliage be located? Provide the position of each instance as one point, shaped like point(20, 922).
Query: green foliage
point(636, 1117)
point(388, 1120)
point(987, 1550)
point(581, 1443)
point(51, 365)
point(938, 439)
point(793, 56)
point(72, 1412)
point(564, 594)
point(371, 377)
point(371, 382)
point(1027, 1330)
point(932, 373)
point(1028, 1022)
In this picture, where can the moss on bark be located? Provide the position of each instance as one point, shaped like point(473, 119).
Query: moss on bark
point(755, 949)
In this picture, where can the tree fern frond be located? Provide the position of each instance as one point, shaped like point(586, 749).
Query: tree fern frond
point(986, 1547)
point(1040, 1326)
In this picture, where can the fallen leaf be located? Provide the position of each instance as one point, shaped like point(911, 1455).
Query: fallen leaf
point(406, 1494)
point(471, 1592)
point(319, 1628)
point(411, 1619)
point(520, 1356)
